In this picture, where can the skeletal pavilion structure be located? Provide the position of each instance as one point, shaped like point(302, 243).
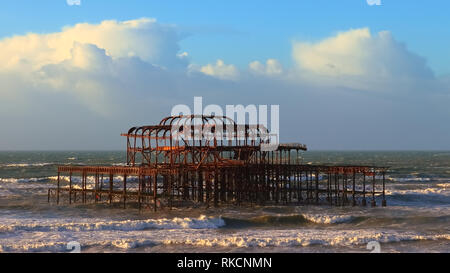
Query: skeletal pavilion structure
point(192, 161)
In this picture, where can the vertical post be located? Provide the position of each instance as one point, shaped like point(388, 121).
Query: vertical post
point(384, 189)
point(336, 187)
point(373, 202)
point(216, 187)
point(289, 175)
point(124, 190)
point(84, 187)
point(353, 190)
point(96, 177)
point(300, 187)
point(222, 186)
point(208, 187)
point(363, 201)
point(344, 188)
point(139, 191)
point(57, 190)
point(190, 176)
point(330, 193)
point(276, 182)
point(307, 186)
point(169, 188)
point(317, 187)
point(155, 190)
point(110, 187)
point(200, 186)
point(70, 188)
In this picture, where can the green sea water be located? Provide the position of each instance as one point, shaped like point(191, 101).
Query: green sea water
point(417, 218)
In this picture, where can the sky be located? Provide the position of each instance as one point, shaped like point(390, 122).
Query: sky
point(347, 75)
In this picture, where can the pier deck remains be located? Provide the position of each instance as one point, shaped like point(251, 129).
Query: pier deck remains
point(211, 161)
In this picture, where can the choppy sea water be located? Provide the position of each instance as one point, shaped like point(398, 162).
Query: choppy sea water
point(417, 218)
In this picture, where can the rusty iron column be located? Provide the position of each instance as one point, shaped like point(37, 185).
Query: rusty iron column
point(353, 189)
point(57, 190)
point(330, 193)
point(344, 189)
point(363, 201)
point(200, 183)
point(139, 191)
point(317, 187)
point(170, 190)
point(336, 187)
point(124, 191)
point(111, 177)
point(83, 185)
point(300, 197)
point(95, 187)
point(373, 202)
point(216, 187)
point(384, 189)
point(155, 190)
point(70, 188)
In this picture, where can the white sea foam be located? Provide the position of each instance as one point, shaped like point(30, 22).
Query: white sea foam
point(57, 242)
point(23, 180)
point(425, 191)
point(91, 179)
point(416, 179)
point(328, 219)
point(75, 179)
point(120, 164)
point(296, 238)
point(203, 222)
point(16, 165)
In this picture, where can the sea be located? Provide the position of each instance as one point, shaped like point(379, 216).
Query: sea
point(416, 219)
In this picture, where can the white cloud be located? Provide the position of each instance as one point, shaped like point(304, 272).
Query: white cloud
point(271, 68)
point(144, 38)
point(219, 70)
point(358, 59)
point(88, 82)
point(87, 61)
point(74, 2)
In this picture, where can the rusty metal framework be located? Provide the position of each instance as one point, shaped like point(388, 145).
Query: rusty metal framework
point(210, 160)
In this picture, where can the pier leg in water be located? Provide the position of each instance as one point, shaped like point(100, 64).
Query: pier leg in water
point(364, 202)
point(383, 203)
point(373, 202)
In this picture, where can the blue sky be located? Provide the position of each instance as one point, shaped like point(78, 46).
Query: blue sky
point(347, 75)
point(263, 29)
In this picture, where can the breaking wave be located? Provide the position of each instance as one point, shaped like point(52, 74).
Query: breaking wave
point(288, 220)
point(26, 165)
point(203, 222)
point(244, 239)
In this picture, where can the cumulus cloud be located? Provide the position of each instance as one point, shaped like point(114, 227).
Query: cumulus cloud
point(82, 86)
point(218, 70)
point(144, 38)
point(358, 59)
point(87, 61)
point(272, 67)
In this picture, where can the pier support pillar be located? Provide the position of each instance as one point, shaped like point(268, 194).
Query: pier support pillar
point(57, 190)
